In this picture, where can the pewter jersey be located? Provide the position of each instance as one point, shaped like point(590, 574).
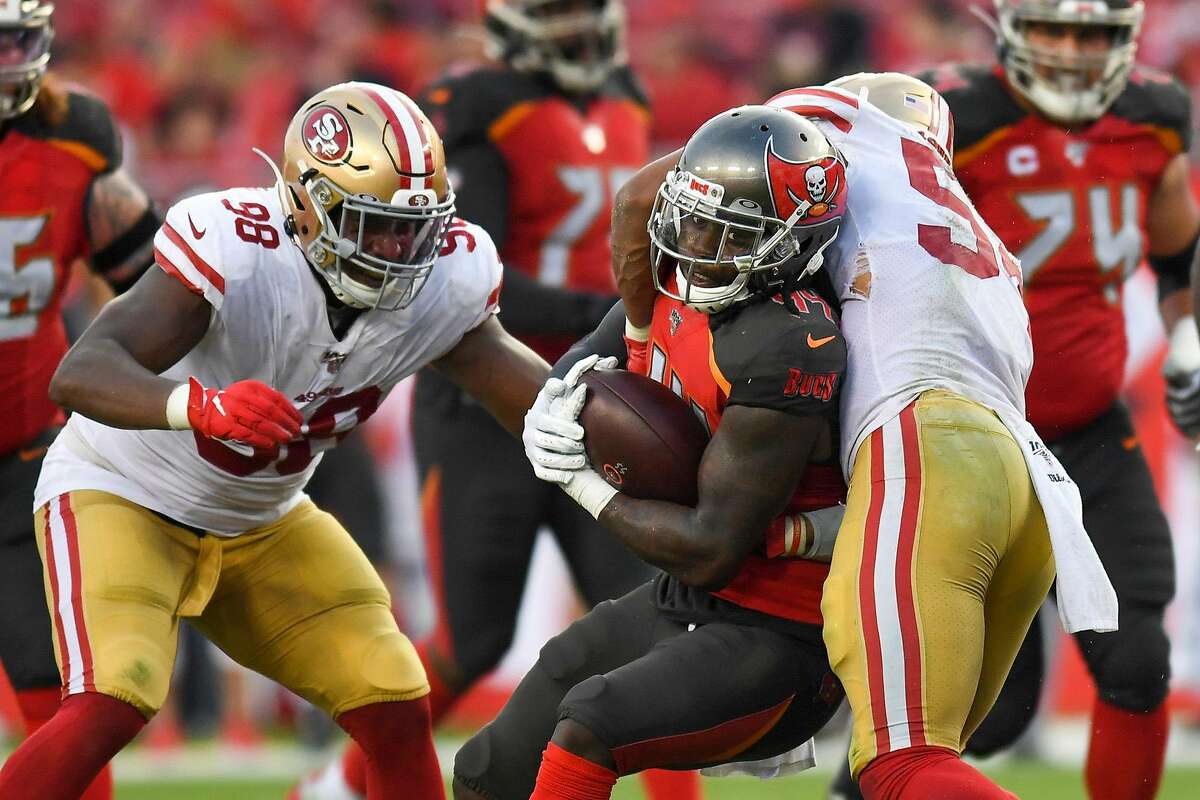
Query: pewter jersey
point(930, 297)
point(269, 323)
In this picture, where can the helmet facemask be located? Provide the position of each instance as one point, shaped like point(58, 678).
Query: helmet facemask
point(726, 254)
point(376, 254)
point(1068, 87)
point(577, 42)
point(24, 55)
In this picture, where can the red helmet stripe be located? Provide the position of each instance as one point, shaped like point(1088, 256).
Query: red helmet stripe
point(411, 141)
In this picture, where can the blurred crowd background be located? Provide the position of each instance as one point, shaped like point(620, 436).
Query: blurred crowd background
point(196, 83)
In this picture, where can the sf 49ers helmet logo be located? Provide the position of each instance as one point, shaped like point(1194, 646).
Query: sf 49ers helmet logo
point(326, 134)
point(815, 188)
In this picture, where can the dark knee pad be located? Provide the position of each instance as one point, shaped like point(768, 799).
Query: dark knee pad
point(587, 705)
point(1132, 665)
point(501, 761)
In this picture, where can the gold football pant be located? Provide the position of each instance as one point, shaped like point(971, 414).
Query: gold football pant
point(295, 600)
point(941, 563)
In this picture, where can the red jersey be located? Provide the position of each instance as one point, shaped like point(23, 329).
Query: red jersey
point(538, 170)
point(758, 354)
point(46, 171)
point(1071, 204)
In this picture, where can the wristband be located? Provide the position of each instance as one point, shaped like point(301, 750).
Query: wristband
point(177, 408)
point(636, 333)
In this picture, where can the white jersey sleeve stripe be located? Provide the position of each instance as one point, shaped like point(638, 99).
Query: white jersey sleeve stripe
point(187, 265)
point(833, 105)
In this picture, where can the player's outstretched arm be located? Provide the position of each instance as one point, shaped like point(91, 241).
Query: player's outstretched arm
point(497, 370)
point(1172, 232)
point(112, 373)
point(630, 243)
point(750, 469)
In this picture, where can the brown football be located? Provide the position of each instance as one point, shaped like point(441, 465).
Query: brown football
point(645, 440)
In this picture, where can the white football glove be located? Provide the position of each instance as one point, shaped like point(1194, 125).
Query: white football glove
point(553, 438)
point(1182, 372)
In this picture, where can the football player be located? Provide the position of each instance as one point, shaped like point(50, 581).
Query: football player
point(278, 319)
point(719, 658)
point(1077, 158)
point(537, 144)
point(65, 198)
point(956, 514)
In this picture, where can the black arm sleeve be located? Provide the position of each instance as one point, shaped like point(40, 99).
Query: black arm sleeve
point(480, 180)
point(608, 339)
point(1174, 271)
point(527, 306)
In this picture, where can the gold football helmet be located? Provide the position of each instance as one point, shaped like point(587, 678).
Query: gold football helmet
point(25, 36)
point(365, 188)
point(909, 100)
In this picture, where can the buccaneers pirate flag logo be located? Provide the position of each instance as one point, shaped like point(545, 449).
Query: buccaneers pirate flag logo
point(814, 188)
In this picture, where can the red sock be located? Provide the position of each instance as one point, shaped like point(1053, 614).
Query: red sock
point(354, 768)
point(1125, 758)
point(397, 739)
point(441, 696)
point(37, 707)
point(666, 784)
point(70, 751)
point(566, 776)
point(926, 773)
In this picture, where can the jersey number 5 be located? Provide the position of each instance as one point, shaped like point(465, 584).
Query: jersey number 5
point(26, 286)
point(923, 163)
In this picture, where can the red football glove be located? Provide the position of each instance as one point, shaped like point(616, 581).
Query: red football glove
point(246, 411)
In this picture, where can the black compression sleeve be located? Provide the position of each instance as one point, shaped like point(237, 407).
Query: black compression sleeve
point(1175, 271)
point(527, 306)
point(481, 188)
point(120, 249)
point(608, 339)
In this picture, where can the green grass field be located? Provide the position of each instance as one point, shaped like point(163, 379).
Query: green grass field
point(1029, 781)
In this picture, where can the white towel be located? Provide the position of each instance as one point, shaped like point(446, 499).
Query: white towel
point(795, 760)
point(1086, 599)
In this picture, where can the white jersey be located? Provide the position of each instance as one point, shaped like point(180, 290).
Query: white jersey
point(269, 323)
point(931, 300)
point(930, 297)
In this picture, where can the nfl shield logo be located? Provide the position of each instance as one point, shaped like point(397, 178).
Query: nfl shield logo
point(676, 320)
point(333, 361)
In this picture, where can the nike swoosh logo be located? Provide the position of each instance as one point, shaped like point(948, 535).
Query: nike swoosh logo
point(824, 340)
point(199, 234)
point(30, 453)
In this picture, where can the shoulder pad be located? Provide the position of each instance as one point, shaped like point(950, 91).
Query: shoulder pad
point(978, 100)
point(88, 131)
point(624, 83)
point(1157, 99)
point(470, 267)
point(772, 357)
point(197, 239)
point(463, 106)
